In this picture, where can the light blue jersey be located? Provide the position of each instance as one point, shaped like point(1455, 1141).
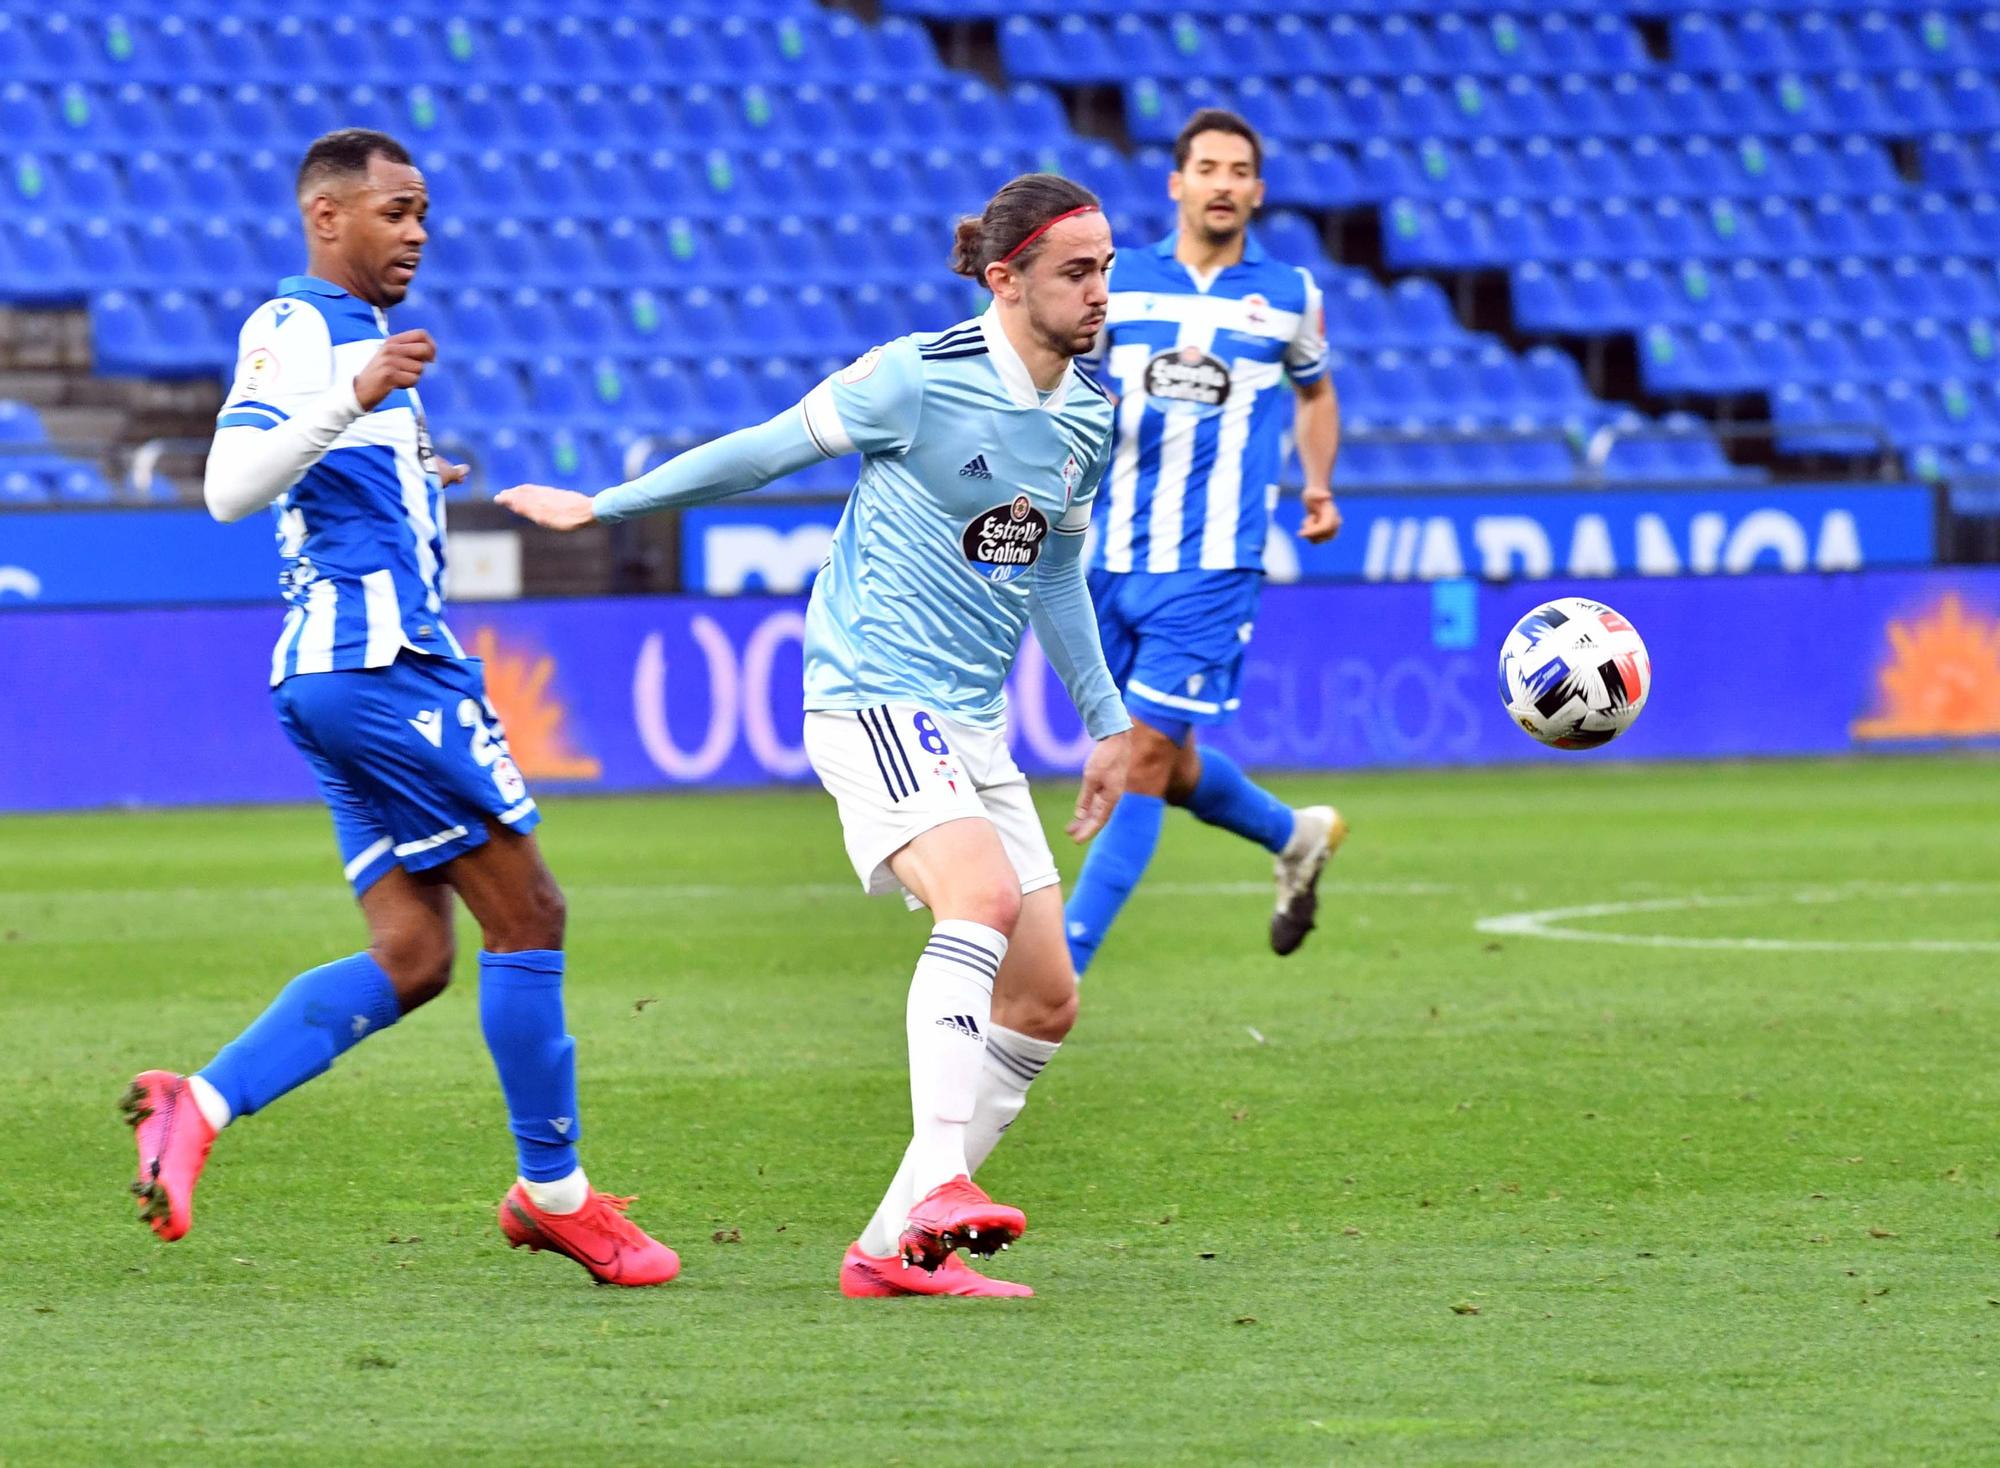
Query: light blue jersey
point(967, 521)
point(1200, 368)
point(965, 474)
point(361, 534)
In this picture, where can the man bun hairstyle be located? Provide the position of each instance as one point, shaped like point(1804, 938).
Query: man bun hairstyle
point(1014, 221)
point(1218, 120)
point(345, 154)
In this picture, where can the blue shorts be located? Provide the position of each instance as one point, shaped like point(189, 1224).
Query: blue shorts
point(411, 759)
point(1175, 641)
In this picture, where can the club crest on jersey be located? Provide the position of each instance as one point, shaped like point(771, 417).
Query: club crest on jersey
point(1188, 375)
point(1072, 476)
point(861, 366)
point(1256, 310)
point(1006, 540)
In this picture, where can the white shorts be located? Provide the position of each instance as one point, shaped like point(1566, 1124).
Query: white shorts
point(897, 771)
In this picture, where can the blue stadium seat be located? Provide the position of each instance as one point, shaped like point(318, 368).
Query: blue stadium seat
point(122, 340)
point(704, 321)
point(24, 115)
point(682, 249)
point(1832, 353)
point(493, 390)
point(1864, 167)
point(278, 250)
point(1891, 230)
point(1639, 458)
point(726, 390)
point(20, 486)
point(589, 320)
point(104, 254)
point(20, 424)
point(1625, 232)
point(532, 326)
point(1889, 351)
point(511, 456)
point(1854, 105)
point(1775, 353)
point(664, 392)
point(905, 47)
point(1837, 227)
point(238, 48)
point(60, 49)
point(80, 483)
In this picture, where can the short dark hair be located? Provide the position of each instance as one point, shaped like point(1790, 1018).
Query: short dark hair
point(1218, 120)
point(344, 153)
point(1022, 207)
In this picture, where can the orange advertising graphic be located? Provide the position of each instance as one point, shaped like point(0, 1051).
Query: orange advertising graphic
point(536, 720)
point(1942, 678)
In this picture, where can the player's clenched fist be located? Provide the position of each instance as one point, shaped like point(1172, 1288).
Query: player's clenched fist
point(398, 362)
point(554, 509)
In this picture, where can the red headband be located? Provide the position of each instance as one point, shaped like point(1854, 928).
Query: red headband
point(1069, 214)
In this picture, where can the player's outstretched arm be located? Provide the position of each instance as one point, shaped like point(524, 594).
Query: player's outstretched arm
point(747, 459)
point(248, 468)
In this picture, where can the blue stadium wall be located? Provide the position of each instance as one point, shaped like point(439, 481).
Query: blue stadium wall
point(168, 705)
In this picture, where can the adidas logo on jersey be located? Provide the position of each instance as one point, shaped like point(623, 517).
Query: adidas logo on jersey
point(975, 468)
point(965, 1024)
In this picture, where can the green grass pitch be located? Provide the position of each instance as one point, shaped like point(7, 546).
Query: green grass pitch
point(1721, 1192)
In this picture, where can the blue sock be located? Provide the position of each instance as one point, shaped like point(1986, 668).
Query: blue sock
point(1117, 859)
point(318, 1017)
point(1224, 796)
point(521, 1015)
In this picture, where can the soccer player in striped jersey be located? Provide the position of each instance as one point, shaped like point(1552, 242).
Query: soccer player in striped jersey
point(324, 425)
point(982, 448)
point(1204, 332)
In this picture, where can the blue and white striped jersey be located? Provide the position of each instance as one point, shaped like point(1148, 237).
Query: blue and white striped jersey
point(969, 477)
point(1200, 370)
point(361, 534)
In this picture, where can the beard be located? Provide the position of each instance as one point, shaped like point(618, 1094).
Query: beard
point(1071, 339)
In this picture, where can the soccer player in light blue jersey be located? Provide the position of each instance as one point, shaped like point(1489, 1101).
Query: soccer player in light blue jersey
point(1203, 333)
point(982, 448)
point(324, 425)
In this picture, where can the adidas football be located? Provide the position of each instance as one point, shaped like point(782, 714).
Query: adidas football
point(1574, 673)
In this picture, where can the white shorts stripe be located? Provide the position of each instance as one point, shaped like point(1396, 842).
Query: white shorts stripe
point(1176, 701)
point(367, 858)
point(429, 843)
point(514, 813)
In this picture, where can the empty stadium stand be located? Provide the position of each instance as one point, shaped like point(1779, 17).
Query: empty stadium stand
point(654, 221)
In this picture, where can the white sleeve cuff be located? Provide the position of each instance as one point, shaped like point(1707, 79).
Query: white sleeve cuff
point(829, 434)
point(248, 468)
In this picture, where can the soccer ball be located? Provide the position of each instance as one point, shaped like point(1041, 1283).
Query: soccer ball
point(1574, 673)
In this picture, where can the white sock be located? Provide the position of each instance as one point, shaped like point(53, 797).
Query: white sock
point(885, 1229)
point(214, 1110)
point(950, 1006)
point(1013, 1060)
point(564, 1195)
